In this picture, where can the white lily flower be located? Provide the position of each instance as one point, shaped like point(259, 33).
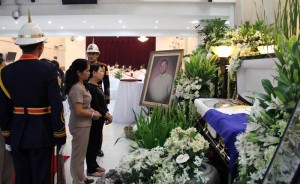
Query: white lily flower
point(182, 158)
point(252, 126)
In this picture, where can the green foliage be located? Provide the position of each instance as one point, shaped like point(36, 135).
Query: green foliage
point(214, 32)
point(287, 17)
point(200, 66)
point(118, 74)
point(275, 108)
point(154, 127)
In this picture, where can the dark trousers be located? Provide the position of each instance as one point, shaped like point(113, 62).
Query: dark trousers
point(33, 166)
point(6, 164)
point(91, 154)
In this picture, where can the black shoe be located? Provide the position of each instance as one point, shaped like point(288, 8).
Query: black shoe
point(87, 181)
point(100, 153)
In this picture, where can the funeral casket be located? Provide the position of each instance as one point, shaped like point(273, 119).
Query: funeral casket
point(223, 119)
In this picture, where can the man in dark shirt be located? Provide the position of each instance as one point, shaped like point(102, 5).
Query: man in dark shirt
point(31, 114)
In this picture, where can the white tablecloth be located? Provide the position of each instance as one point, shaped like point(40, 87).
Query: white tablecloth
point(114, 84)
point(127, 101)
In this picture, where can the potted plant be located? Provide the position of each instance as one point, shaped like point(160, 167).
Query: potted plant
point(214, 33)
point(265, 44)
point(195, 82)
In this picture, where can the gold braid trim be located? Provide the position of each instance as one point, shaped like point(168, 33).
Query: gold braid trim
point(3, 87)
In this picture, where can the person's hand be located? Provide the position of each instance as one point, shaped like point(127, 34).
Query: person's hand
point(96, 115)
point(107, 122)
point(62, 147)
point(108, 117)
point(7, 147)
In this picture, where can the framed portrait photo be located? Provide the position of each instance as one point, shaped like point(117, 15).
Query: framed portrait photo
point(161, 72)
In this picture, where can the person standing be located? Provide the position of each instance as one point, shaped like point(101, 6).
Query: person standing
point(161, 86)
point(6, 163)
point(81, 117)
point(61, 76)
point(31, 114)
point(93, 53)
point(98, 103)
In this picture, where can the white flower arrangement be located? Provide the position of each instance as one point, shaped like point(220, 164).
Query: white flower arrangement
point(177, 162)
point(188, 89)
point(268, 120)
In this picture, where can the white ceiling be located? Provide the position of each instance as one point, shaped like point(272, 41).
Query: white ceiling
point(139, 17)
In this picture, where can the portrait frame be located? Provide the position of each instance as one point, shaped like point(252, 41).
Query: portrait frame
point(160, 93)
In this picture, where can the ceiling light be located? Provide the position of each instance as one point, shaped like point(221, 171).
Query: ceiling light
point(92, 27)
point(195, 22)
point(61, 27)
point(156, 21)
point(155, 27)
point(84, 21)
point(49, 22)
point(143, 38)
point(16, 22)
point(120, 21)
point(188, 27)
point(3, 27)
point(123, 26)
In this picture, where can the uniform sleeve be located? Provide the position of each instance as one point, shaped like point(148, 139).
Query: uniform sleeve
point(57, 115)
point(106, 85)
point(6, 112)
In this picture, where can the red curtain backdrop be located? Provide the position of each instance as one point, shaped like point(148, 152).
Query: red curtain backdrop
point(124, 50)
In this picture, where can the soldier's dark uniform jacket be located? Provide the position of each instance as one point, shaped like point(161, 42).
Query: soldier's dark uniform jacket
point(105, 81)
point(31, 111)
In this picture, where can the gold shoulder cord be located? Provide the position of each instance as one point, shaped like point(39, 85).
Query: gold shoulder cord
point(3, 88)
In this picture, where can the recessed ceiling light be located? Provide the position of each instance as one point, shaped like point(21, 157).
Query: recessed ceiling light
point(123, 26)
point(49, 22)
point(92, 27)
point(84, 21)
point(188, 27)
point(3, 27)
point(16, 22)
point(61, 27)
point(120, 21)
point(156, 21)
point(155, 27)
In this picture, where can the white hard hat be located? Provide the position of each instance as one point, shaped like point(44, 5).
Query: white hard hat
point(92, 48)
point(30, 33)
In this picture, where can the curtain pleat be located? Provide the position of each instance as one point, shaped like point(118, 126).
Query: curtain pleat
point(124, 50)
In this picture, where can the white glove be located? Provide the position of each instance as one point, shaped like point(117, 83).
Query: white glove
point(61, 149)
point(7, 147)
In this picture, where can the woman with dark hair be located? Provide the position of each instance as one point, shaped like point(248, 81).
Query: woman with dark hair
point(81, 117)
point(98, 103)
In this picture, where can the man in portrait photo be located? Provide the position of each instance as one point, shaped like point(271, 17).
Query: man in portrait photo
point(161, 80)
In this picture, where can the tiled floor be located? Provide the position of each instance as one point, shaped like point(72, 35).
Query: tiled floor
point(112, 152)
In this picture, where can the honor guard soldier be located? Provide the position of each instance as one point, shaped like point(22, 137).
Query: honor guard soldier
point(31, 114)
point(93, 53)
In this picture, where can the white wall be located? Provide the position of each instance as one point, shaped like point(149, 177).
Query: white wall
point(74, 50)
point(170, 43)
point(247, 11)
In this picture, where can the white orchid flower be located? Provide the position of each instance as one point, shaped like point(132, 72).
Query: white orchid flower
point(252, 126)
point(182, 158)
